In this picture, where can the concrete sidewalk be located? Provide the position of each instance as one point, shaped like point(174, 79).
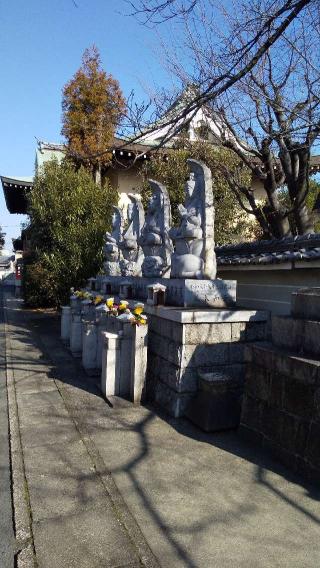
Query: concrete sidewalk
point(113, 485)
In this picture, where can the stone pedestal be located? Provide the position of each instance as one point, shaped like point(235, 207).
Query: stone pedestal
point(76, 335)
point(65, 323)
point(110, 376)
point(179, 292)
point(130, 362)
point(89, 347)
point(184, 342)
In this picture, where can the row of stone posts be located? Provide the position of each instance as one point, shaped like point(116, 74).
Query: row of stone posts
point(108, 346)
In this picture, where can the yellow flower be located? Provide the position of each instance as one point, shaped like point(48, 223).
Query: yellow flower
point(123, 305)
point(138, 309)
point(97, 300)
point(143, 320)
point(110, 302)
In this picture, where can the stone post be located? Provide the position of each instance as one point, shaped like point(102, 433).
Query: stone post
point(110, 376)
point(138, 363)
point(89, 346)
point(65, 323)
point(76, 335)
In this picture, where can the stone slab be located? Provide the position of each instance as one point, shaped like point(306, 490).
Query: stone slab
point(188, 315)
point(179, 291)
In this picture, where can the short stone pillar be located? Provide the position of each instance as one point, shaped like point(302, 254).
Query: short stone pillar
point(65, 323)
point(76, 335)
point(132, 343)
point(110, 376)
point(89, 347)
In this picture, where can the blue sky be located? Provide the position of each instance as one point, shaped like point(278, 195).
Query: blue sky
point(41, 46)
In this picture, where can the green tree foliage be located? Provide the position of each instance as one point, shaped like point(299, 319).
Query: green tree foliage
point(232, 224)
point(69, 215)
point(2, 239)
point(92, 106)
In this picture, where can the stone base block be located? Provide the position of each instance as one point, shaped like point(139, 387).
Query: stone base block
point(170, 401)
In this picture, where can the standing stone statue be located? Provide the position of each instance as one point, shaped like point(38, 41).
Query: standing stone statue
point(111, 244)
point(194, 255)
point(132, 254)
point(154, 239)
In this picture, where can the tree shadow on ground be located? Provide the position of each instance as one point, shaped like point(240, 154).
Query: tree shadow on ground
point(109, 420)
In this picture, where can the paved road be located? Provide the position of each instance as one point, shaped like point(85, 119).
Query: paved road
point(6, 527)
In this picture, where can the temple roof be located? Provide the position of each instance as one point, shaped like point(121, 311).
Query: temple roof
point(15, 192)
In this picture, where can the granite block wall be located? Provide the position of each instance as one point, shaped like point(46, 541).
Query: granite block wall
point(176, 351)
point(281, 407)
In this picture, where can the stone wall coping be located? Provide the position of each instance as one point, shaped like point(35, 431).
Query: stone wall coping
point(189, 315)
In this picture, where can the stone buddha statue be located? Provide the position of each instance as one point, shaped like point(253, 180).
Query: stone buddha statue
point(154, 238)
point(132, 254)
point(194, 255)
point(111, 244)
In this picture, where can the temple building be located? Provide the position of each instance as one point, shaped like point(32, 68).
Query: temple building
point(127, 158)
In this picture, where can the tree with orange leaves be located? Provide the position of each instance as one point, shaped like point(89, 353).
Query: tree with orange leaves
point(92, 106)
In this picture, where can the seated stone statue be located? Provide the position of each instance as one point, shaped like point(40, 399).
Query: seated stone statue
point(194, 255)
point(154, 238)
point(111, 245)
point(132, 254)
